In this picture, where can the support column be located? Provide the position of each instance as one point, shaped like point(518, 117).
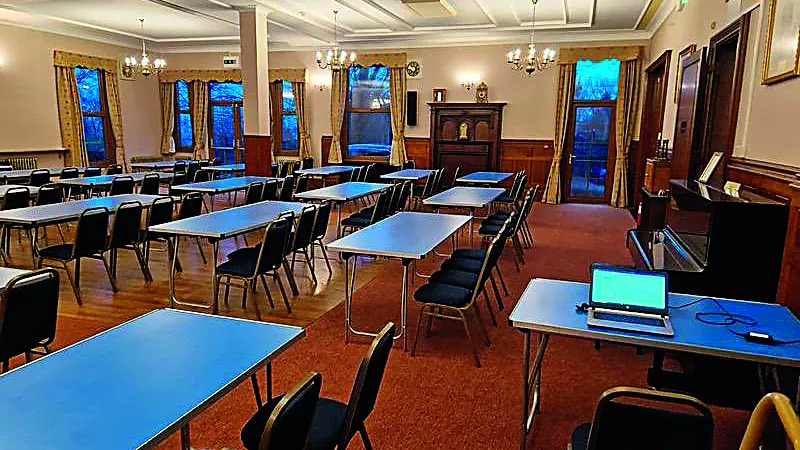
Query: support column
point(255, 86)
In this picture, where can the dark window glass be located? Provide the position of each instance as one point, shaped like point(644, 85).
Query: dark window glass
point(288, 117)
point(288, 96)
point(91, 95)
point(369, 87)
point(183, 117)
point(590, 150)
point(231, 92)
point(597, 80)
point(185, 130)
point(88, 81)
point(182, 93)
point(93, 132)
point(369, 130)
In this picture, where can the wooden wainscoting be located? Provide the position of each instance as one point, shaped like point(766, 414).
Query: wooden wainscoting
point(533, 155)
point(766, 178)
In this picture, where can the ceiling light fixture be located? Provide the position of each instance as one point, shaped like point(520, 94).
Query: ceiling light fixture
point(532, 62)
point(336, 59)
point(130, 65)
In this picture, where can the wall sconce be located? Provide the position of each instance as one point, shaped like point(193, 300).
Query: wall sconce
point(468, 80)
point(321, 82)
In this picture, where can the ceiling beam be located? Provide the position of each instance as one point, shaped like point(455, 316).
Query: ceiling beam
point(485, 11)
point(381, 9)
point(193, 12)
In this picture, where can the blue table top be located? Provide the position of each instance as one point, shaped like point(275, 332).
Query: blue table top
point(548, 306)
point(407, 174)
point(485, 177)
point(135, 384)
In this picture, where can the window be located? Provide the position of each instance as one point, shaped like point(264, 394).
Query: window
point(226, 124)
point(288, 118)
point(597, 80)
point(183, 117)
point(368, 118)
point(97, 132)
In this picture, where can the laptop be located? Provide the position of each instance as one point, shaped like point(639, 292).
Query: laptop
point(628, 299)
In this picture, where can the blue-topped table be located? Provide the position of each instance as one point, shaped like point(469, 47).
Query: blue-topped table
point(486, 178)
point(470, 198)
point(132, 386)
point(221, 186)
point(325, 172)
point(340, 194)
point(548, 307)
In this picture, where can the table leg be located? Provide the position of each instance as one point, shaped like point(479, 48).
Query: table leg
point(347, 298)
point(269, 380)
point(471, 216)
point(338, 220)
point(172, 272)
point(404, 305)
point(531, 383)
point(185, 440)
point(215, 301)
point(211, 200)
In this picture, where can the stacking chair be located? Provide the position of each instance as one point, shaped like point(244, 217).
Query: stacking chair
point(274, 170)
point(204, 163)
point(357, 221)
point(287, 189)
point(191, 168)
point(336, 424)
point(437, 181)
point(398, 198)
point(369, 173)
point(296, 165)
point(92, 172)
point(68, 173)
point(302, 184)
point(28, 312)
point(527, 236)
point(151, 184)
point(772, 405)
point(303, 234)
point(91, 236)
point(491, 226)
point(254, 192)
point(114, 169)
point(456, 291)
point(308, 162)
point(121, 185)
point(283, 169)
point(266, 258)
point(180, 167)
point(454, 183)
point(512, 197)
point(201, 175)
point(160, 211)
point(629, 418)
point(410, 164)
point(50, 194)
point(427, 189)
point(320, 230)
point(354, 174)
point(15, 198)
point(39, 177)
point(270, 191)
point(125, 235)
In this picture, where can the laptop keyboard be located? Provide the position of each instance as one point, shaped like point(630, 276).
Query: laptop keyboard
point(629, 319)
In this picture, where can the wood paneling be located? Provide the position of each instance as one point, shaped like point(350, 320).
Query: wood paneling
point(789, 284)
point(258, 157)
point(419, 151)
point(533, 155)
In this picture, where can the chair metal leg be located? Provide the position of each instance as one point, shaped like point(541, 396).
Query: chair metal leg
point(142, 263)
point(364, 438)
point(419, 328)
point(266, 289)
point(486, 340)
point(310, 266)
point(200, 248)
point(489, 307)
point(227, 289)
point(497, 293)
point(216, 289)
point(244, 294)
point(471, 340)
point(283, 291)
point(111, 277)
point(73, 281)
point(325, 255)
point(256, 390)
point(290, 277)
point(502, 281)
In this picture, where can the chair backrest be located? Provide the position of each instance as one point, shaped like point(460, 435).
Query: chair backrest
point(270, 191)
point(296, 166)
point(771, 405)
point(650, 419)
point(368, 382)
point(405, 193)
point(437, 181)
point(192, 169)
point(381, 206)
point(179, 167)
point(283, 169)
point(160, 211)
point(493, 253)
point(308, 162)
point(369, 175)
point(276, 243)
point(18, 197)
point(39, 177)
point(289, 423)
point(410, 164)
point(125, 225)
point(49, 194)
point(321, 220)
point(215, 162)
point(204, 163)
point(287, 189)
point(28, 312)
point(302, 184)
point(151, 184)
point(91, 234)
point(527, 206)
point(363, 172)
point(427, 189)
point(69, 172)
point(178, 178)
point(394, 199)
point(92, 172)
point(455, 176)
point(114, 169)
point(122, 185)
point(254, 191)
point(191, 205)
point(201, 175)
point(354, 174)
point(304, 231)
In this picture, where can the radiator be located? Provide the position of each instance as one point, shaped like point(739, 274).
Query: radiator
point(25, 162)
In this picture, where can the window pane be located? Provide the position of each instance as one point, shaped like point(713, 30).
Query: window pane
point(370, 134)
point(185, 130)
point(597, 80)
point(182, 93)
point(288, 97)
point(225, 91)
point(590, 151)
point(369, 87)
point(88, 84)
point(289, 132)
point(95, 142)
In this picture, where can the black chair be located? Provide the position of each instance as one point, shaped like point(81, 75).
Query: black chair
point(15, 198)
point(69, 173)
point(296, 165)
point(91, 236)
point(291, 416)
point(191, 169)
point(274, 170)
point(92, 172)
point(287, 189)
point(39, 177)
point(28, 313)
point(303, 234)
point(125, 234)
point(160, 211)
point(301, 185)
point(254, 192)
point(397, 200)
point(283, 169)
point(308, 162)
point(50, 194)
point(204, 163)
point(427, 189)
point(180, 167)
point(114, 169)
point(410, 164)
point(632, 418)
point(122, 185)
point(320, 230)
point(355, 174)
point(270, 191)
point(512, 197)
point(454, 183)
point(491, 226)
point(201, 175)
point(255, 262)
point(216, 162)
point(151, 184)
point(357, 220)
point(335, 423)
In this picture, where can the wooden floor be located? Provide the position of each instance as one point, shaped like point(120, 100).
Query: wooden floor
point(136, 297)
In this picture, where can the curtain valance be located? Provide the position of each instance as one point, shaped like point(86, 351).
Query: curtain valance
point(392, 60)
point(573, 55)
point(293, 75)
point(171, 76)
point(68, 59)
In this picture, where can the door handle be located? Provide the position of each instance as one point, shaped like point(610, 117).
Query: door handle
point(571, 158)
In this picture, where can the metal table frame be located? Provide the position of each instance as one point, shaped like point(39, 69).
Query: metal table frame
point(342, 193)
point(471, 198)
point(485, 178)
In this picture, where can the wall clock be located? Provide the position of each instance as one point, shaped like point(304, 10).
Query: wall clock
point(413, 69)
point(482, 93)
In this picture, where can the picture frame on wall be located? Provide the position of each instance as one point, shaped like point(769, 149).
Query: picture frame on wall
point(691, 48)
point(782, 52)
point(440, 95)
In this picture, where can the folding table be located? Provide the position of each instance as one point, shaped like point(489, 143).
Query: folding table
point(222, 186)
point(547, 307)
point(485, 178)
point(407, 236)
point(340, 194)
point(217, 226)
point(23, 175)
point(225, 168)
point(132, 386)
point(105, 181)
point(325, 171)
point(34, 191)
point(155, 165)
point(471, 198)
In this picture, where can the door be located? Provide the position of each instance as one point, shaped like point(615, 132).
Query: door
point(589, 168)
point(226, 124)
point(688, 124)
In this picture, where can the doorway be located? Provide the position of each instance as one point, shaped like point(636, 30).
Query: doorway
point(226, 121)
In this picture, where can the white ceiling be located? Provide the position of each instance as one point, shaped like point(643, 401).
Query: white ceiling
point(197, 25)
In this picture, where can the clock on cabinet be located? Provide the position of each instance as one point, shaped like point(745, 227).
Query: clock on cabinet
point(482, 93)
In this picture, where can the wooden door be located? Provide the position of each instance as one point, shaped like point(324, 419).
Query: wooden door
point(592, 152)
point(687, 138)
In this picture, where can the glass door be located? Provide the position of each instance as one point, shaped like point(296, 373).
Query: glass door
point(589, 167)
point(225, 121)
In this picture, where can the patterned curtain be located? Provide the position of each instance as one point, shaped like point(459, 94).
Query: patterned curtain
point(275, 105)
point(166, 92)
point(397, 80)
point(115, 116)
point(70, 117)
point(627, 104)
point(566, 90)
point(303, 136)
point(199, 118)
point(338, 103)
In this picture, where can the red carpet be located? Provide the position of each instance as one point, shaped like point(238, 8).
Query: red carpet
point(439, 399)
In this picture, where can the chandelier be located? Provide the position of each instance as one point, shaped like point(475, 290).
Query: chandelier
point(130, 66)
point(532, 62)
point(336, 59)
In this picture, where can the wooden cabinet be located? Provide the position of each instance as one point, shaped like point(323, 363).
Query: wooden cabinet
point(466, 135)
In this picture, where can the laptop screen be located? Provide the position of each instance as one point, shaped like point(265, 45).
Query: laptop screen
point(628, 289)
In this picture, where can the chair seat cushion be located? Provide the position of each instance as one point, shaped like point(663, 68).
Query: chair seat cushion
point(325, 428)
point(239, 267)
point(580, 436)
point(499, 215)
point(246, 252)
point(469, 253)
point(61, 251)
point(489, 229)
point(493, 221)
point(463, 264)
point(356, 221)
point(443, 294)
point(458, 278)
point(504, 199)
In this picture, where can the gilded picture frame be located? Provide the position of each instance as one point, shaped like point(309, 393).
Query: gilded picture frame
point(782, 52)
point(691, 48)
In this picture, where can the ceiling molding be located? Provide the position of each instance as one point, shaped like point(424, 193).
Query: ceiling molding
point(485, 11)
point(385, 11)
point(648, 13)
point(565, 10)
point(192, 12)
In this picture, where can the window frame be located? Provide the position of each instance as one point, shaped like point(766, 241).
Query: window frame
point(176, 129)
point(238, 133)
point(345, 134)
point(108, 132)
point(278, 126)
